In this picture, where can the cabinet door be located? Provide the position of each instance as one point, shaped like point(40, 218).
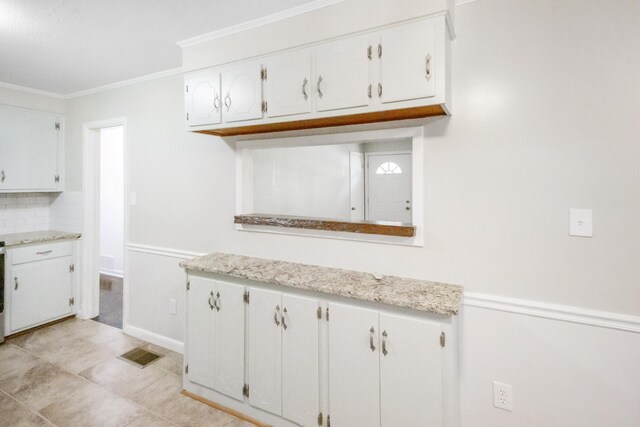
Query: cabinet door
point(265, 346)
point(407, 62)
point(40, 291)
point(288, 84)
point(300, 364)
point(28, 150)
point(410, 372)
point(228, 345)
point(342, 74)
point(200, 298)
point(242, 93)
point(354, 367)
point(203, 103)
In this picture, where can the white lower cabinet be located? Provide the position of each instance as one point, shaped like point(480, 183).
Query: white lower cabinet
point(215, 336)
point(40, 291)
point(317, 360)
point(39, 284)
point(284, 355)
point(384, 370)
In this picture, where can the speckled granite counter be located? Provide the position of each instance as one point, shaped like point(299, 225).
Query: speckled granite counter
point(36, 237)
point(439, 298)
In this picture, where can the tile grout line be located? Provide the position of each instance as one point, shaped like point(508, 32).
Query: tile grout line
point(27, 407)
point(89, 382)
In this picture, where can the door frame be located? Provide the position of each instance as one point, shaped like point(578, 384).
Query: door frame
point(90, 286)
point(367, 187)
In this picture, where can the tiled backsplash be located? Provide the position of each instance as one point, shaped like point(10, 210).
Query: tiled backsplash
point(20, 212)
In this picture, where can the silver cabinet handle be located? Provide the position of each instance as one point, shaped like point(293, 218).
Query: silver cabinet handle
point(304, 88)
point(227, 102)
point(217, 301)
point(379, 51)
point(15, 280)
point(210, 301)
point(318, 87)
point(44, 252)
point(427, 67)
point(371, 346)
point(379, 90)
point(284, 324)
point(369, 92)
point(384, 343)
point(3, 176)
point(275, 315)
point(216, 102)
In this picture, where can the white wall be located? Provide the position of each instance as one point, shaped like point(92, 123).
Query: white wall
point(112, 200)
point(303, 181)
point(546, 95)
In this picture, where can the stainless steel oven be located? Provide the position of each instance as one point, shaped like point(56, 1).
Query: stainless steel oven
point(1, 293)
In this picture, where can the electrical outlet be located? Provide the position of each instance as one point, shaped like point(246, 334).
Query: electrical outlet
point(502, 397)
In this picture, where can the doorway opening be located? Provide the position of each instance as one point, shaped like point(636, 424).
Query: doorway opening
point(111, 226)
point(104, 284)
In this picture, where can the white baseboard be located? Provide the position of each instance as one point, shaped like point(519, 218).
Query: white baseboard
point(563, 313)
point(154, 338)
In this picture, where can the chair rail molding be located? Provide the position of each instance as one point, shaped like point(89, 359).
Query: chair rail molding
point(563, 313)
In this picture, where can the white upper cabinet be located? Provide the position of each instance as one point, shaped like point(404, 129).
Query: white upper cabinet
point(242, 92)
point(342, 74)
point(30, 145)
point(402, 67)
point(407, 62)
point(203, 102)
point(288, 84)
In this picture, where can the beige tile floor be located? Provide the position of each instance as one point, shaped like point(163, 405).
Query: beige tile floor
point(69, 374)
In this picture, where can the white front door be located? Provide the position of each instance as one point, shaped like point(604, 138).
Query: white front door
point(389, 187)
point(356, 181)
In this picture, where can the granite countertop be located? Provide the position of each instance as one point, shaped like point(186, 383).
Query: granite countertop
point(36, 237)
point(433, 297)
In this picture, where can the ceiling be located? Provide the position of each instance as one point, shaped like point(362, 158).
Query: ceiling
point(67, 46)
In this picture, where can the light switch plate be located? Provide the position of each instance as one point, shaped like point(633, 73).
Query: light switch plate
point(133, 199)
point(581, 222)
point(173, 306)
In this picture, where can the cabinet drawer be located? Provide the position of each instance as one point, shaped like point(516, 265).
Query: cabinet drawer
point(40, 252)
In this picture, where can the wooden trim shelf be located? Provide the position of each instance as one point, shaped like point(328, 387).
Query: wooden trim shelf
point(353, 119)
point(365, 227)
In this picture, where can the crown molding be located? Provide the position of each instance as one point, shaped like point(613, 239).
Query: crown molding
point(275, 17)
point(129, 82)
point(31, 90)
